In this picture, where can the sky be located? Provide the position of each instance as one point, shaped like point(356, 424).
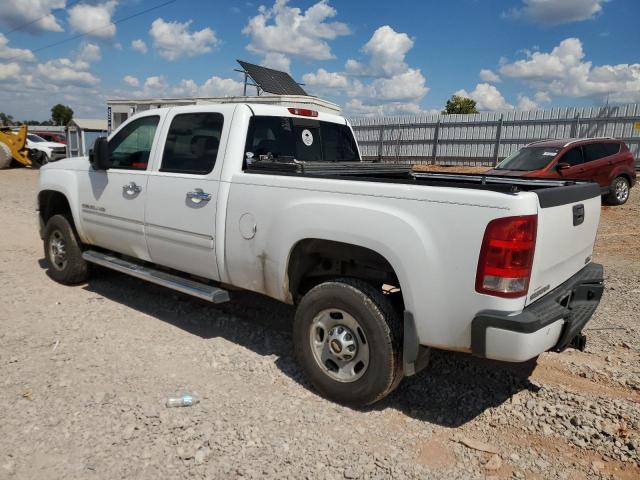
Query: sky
point(370, 57)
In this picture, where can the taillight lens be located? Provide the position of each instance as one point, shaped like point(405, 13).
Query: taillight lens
point(506, 256)
point(304, 112)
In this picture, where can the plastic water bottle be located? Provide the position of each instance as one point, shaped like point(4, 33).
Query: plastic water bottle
point(184, 399)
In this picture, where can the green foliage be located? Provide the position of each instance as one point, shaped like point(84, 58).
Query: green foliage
point(6, 120)
point(61, 114)
point(458, 104)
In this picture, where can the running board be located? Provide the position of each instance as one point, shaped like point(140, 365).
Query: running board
point(184, 285)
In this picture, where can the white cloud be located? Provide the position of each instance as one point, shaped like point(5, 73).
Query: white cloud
point(131, 81)
point(289, 32)
point(384, 83)
point(157, 86)
point(487, 97)
point(542, 97)
point(489, 76)
point(220, 87)
point(406, 86)
point(356, 107)
point(33, 16)
point(18, 54)
point(139, 46)
point(326, 79)
point(386, 49)
point(94, 20)
point(564, 72)
point(525, 103)
point(174, 40)
point(555, 12)
point(65, 71)
point(10, 71)
point(90, 53)
point(277, 61)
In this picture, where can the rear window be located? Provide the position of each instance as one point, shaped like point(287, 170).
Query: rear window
point(528, 159)
point(301, 139)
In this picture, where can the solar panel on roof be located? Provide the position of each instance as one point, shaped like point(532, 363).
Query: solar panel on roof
point(272, 81)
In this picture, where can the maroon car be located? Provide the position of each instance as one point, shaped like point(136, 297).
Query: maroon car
point(57, 137)
point(607, 161)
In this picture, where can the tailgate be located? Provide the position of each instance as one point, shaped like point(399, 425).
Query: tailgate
point(568, 219)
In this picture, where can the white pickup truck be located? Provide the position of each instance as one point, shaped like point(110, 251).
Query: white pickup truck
point(382, 263)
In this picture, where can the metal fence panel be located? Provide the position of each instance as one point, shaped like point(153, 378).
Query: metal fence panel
point(484, 139)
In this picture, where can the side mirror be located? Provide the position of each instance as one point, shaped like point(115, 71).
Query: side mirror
point(99, 155)
point(562, 166)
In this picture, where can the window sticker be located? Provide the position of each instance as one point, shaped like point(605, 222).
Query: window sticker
point(307, 137)
point(549, 154)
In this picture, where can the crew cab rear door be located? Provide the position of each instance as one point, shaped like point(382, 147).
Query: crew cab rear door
point(183, 189)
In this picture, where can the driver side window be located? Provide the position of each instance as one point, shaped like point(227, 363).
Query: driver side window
point(130, 148)
point(573, 157)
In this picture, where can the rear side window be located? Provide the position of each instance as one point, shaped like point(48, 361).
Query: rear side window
point(192, 143)
point(596, 151)
point(300, 139)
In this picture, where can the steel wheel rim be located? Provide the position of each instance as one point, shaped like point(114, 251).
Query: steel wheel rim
point(58, 250)
point(339, 345)
point(622, 190)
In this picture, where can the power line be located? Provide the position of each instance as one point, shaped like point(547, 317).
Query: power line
point(20, 27)
point(80, 35)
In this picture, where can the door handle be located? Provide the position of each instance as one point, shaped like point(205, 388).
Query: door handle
point(198, 196)
point(131, 189)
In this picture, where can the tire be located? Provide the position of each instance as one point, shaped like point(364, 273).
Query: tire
point(5, 156)
point(63, 253)
point(323, 349)
point(38, 159)
point(620, 190)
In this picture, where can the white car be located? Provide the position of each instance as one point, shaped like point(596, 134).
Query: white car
point(382, 263)
point(52, 150)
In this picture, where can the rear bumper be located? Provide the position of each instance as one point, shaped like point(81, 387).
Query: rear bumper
point(550, 323)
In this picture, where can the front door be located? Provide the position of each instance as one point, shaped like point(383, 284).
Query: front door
point(575, 160)
point(113, 201)
point(183, 189)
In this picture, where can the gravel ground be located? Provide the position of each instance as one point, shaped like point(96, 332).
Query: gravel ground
point(85, 371)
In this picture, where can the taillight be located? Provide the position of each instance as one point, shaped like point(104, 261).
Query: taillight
point(506, 256)
point(305, 112)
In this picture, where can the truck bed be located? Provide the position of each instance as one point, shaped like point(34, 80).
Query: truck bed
point(550, 192)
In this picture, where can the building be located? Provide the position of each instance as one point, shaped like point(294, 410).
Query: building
point(119, 110)
point(81, 133)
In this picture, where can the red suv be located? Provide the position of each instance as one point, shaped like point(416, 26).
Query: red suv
point(604, 160)
point(57, 137)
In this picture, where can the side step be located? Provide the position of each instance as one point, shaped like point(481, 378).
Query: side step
point(184, 285)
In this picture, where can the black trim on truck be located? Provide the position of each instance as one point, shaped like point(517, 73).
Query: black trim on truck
point(575, 301)
point(554, 197)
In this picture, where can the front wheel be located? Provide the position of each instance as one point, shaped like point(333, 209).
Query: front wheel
point(619, 192)
point(63, 253)
point(347, 338)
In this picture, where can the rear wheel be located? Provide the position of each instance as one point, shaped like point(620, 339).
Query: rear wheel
point(63, 253)
point(619, 191)
point(347, 338)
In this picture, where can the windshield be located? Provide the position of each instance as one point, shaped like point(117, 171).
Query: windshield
point(300, 139)
point(35, 138)
point(528, 159)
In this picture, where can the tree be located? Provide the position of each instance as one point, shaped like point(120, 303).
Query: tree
point(6, 120)
point(61, 114)
point(458, 104)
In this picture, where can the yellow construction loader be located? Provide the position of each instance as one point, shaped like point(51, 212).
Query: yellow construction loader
point(13, 147)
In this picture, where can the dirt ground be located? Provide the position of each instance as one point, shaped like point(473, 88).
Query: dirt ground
point(85, 372)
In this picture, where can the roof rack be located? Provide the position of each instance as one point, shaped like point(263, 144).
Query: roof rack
point(576, 140)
